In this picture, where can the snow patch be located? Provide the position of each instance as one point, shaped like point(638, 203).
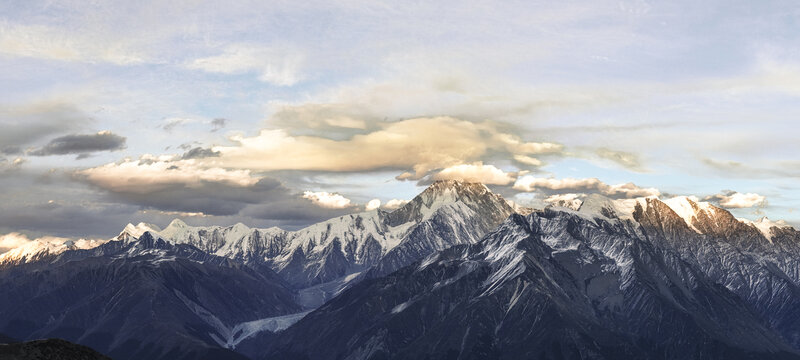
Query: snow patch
point(246, 330)
point(765, 225)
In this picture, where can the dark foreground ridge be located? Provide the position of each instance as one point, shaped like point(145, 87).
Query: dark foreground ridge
point(50, 349)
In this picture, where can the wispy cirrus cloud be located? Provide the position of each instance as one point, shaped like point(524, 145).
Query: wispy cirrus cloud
point(588, 185)
point(280, 67)
point(52, 43)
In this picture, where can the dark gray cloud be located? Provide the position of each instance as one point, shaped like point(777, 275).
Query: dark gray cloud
point(59, 219)
point(173, 123)
point(11, 150)
point(210, 198)
point(24, 125)
point(49, 203)
point(81, 144)
point(217, 124)
point(268, 201)
point(292, 212)
point(189, 145)
point(52, 203)
point(199, 153)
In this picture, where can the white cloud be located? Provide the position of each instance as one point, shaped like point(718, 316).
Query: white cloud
point(629, 190)
point(394, 204)
point(572, 201)
point(737, 200)
point(278, 67)
point(150, 173)
point(373, 204)
point(327, 200)
point(487, 174)
point(527, 160)
point(516, 146)
point(419, 145)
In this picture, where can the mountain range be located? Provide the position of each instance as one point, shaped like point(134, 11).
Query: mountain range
point(456, 273)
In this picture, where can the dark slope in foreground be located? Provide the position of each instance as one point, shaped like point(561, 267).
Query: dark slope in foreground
point(50, 349)
point(143, 300)
point(5, 339)
point(513, 296)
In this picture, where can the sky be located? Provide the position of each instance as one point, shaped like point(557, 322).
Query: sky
point(285, 113)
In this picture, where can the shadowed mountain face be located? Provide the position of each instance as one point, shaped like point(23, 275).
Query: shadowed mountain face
point(51, 349)
point(561, 284)
point(145, 299)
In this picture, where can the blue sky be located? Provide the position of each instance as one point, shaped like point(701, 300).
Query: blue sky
point(299, 112)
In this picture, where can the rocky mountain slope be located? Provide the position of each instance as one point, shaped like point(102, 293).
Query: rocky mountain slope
point(447, 213)
point(50, 349)
point(454, 273)
point(140, 299)
point(637, 278)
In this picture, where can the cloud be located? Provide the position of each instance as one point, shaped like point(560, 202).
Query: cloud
point(737, 200)
point(218, 123)
point(334, 120)
point(570, 200)
point(627, 160)
point(12, 240)
point(207, 197)
point(487, 174)
point(327, 200)
point(199, 153)
point(25, 124)
point(11, 165)
point(81, 144)
point(627, 190)
point(275, 66)
point(52, 43)
point(419, 145)
point(767, 168)
point(516, 146)
point(527, 160)
point(150, 173)
point(373, 204)
point(267, 201)
point(172, 123)
point(394, 204)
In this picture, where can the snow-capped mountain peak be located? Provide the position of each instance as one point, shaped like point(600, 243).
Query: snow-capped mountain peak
point(689, 209)
point(40, 248)
point(765, 225)
point(135, 231)
point(596, 204)
point(177, 223)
